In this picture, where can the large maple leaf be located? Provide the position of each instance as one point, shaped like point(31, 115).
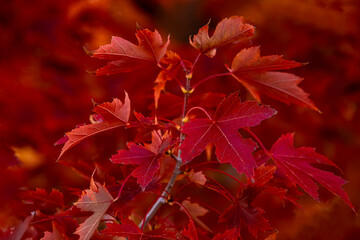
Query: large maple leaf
point(110, 115)
point(146, 157)
point(222, 130)
point(126, 56)
point(97, 200)
point(229, 30)
point(257, 74)
point(297, 165)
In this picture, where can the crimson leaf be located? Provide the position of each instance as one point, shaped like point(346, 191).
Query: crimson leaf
point(147, 157)
point(222, 130)
point(296, 164)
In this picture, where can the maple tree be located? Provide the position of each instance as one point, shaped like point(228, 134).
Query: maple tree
point(194, 145)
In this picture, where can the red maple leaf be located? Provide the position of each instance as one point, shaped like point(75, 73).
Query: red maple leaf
point(147, 157)
point(230, 234)
point(173, 63)
point(112, 115)
point(229, 30)
point(222, 130)
point(296, 164)
point(97, 200)
point(126, 56)
point(257, 74)
point(243, 214)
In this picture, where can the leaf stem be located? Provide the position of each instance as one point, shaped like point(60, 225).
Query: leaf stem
point(210, 77)
point(201, 109)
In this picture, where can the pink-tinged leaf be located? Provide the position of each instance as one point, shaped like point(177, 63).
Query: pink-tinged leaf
point(296, 164)
point(129, 230)
point(222, 130)
point(126, 56)
point(230, 234)
point(57, 234)
point(242, 214)
point(115, 111)
point(196, 210)
point(113, 115)
point(97, 200)
point(256, 74)
point(197, 177)
point(20, 229)
point(147, 157)
point(229, 30)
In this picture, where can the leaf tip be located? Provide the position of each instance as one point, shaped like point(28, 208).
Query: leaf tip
point(88, 52)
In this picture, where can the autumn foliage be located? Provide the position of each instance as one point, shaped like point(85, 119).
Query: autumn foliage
point(185, 149)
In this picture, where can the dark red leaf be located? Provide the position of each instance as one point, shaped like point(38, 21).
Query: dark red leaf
point(147, 157)
point(242, 214)
point(296, 163)
point(222, 130)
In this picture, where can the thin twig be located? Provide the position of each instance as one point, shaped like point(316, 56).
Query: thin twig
point(163, 198)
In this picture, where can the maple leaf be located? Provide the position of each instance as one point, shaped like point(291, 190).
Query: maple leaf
point(257, 74)
point(126, 56)
point(242, 213)
point(173, 63)
point(147, 157)
point(113, 115)
point(230, 234)
point(229, 30)
point(195, 211)
point(222, 130)
point(41, 200)
point(57, 234)
point(296, 164)
point(131, 231)
point(97, 200)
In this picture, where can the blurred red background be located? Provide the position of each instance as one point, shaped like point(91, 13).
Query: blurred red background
point(45, 89)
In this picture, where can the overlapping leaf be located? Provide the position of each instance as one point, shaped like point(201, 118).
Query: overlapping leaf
point(222, 130)
point(229, 30)
point(296, 164)
point(243, 214)
point(257, 74)
point(97, 200)
point(112, 115)
point(126, 56)
point(172, 63)
point(147, 157)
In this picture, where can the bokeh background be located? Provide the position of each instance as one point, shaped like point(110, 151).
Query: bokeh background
point(45, 89)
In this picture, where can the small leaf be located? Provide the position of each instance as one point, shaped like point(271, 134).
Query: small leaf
point(97, 200)
point(229, 30)
point(147, 157)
